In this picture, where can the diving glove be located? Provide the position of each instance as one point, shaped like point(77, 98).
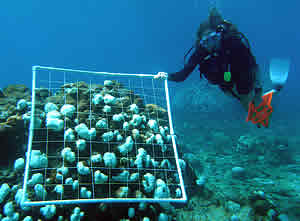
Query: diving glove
point(161, 75)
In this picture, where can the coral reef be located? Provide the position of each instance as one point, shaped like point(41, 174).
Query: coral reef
point(113, 137)
point(103, 141)
point(12, 130)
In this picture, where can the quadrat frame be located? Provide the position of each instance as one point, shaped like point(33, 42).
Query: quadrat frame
point(63, 74)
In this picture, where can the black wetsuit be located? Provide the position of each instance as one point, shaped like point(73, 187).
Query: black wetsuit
point(234, 55)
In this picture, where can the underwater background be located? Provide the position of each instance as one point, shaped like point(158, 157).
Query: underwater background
point(150, 36)
point(138, 37)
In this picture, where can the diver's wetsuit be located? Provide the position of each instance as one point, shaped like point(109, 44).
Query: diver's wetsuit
point(234, 55)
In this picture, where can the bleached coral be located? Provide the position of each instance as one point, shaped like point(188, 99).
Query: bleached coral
point(100, 178)
point(159, 139)
point(106, 109)
point(59, 177)
point(97, 99)
point(108, 83)
point(102, 124)
point(134, 108)
point(118, 117)
point(126, 147)
point(122, 177)
point(161, 190)
point(150, 139)
point(131, 212)
point(27, 218)
point(163, 217)
point(165, 163)
point(182, 165)
point(69, 135)
point(134, 177)
point(67, 110)
point(77, 215)
point(153, 125)
point(96, 158)
point(35, 179)
point(9, 212)
point(75, 185)
point(125, 126)
point(178, 193)
point(63, 170)
point(81, 144)
point(19, 164)
point(50, 107)
point(48, 211)
point(40, 191)
point(135, 134)
point(52, 123)
point(53, 114)
point(149, 182)
point(92, 133)
point(85, 193)
point(21, 105)
point(38, 160)
point(109, 99)
point(163, 131)
point(19, 198)
point(108, 136)
point(68, 155)
point(4, 191)
point(136, 120)
point(118, 136)
point(69, 181)
point(110, 159)
point(140, 158)
point(82, 169)
point(84, 132)
point(59, 189)
point(122, 192)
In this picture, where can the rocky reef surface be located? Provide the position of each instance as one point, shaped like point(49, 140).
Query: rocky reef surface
point(244, 177)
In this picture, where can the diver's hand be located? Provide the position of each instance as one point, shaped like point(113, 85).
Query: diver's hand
point(161, 75)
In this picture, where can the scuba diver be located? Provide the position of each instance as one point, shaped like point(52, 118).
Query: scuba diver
point(224, 57)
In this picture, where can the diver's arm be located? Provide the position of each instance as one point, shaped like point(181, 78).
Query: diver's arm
point(187, 70)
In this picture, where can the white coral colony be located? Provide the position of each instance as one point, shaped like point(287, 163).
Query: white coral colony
point(110, 159)
point(127, 146)
point(109, 99)
point(97, 99)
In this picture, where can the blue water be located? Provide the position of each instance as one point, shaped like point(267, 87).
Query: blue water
point(132, 36)
point(137, 36)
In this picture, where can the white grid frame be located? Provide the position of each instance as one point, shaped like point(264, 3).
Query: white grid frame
point(61, 201)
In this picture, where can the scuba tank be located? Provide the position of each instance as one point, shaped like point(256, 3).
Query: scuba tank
point(211, 44)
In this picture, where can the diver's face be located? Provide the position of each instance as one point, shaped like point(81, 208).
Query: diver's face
point(211, 41)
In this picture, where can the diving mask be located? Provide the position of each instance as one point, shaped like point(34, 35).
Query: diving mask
point(212, 41)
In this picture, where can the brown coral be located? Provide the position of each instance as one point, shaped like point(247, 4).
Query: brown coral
point(10, 123)
point(153, 110)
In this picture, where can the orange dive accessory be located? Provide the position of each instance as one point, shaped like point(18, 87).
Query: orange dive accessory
point(260, 115)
